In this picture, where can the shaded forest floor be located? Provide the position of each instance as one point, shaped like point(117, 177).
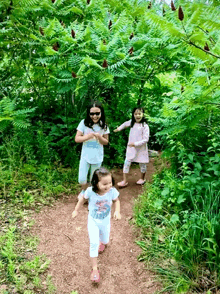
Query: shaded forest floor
point(65, 242)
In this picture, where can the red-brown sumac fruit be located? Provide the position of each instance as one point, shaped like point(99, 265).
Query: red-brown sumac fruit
point(104, 42)
point(56, 46)
point(164, 12)
point(88, 1)
point(105, 64)
point(130, 51)
point(110, 24)
point(73, 33)
point(206, 47)
point(41, 31)
point(149, 6)
point(131, 36)
point(61, 22)
point(182, 89)
point(74, 75)
point(53, 1)
point(180, 13)
point(172, 6)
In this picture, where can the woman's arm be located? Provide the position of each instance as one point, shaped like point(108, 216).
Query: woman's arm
point(117, 214)
point(80, 138)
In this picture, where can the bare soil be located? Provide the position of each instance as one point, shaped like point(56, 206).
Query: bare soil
point(65, 242)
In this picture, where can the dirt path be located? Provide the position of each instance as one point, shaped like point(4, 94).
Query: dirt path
point(65, 242)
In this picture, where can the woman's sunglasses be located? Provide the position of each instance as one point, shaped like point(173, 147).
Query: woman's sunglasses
point(94, 113)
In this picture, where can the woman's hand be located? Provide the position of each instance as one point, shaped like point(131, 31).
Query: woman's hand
point(131, 145)
point(116, 130)
point(74, 214)
point(117, 215)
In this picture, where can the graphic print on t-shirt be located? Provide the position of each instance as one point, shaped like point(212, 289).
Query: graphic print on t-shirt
point(102, 209)
point(92, 144)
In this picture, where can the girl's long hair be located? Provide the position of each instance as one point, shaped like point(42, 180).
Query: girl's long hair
point(133, 119)
point(98, 174)
point(88, 121)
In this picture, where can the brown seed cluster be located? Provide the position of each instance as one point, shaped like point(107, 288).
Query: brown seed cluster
point(110, 24)
point(105, 64)
point(130, 51)
point(41, 31)
point(73, 74)
point(73, 33)
point(56, 46)
point(206, 47)
point(172, 6)
point(180, 13)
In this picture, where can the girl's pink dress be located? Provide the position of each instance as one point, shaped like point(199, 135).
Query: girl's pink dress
point(139, 135)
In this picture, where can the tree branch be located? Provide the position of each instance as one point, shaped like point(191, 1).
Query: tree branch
point(208, 52)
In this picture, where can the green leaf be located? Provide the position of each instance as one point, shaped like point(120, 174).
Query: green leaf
point(174, 218)
point(91, 62)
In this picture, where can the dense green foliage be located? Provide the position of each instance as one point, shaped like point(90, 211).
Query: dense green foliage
point(57, 55)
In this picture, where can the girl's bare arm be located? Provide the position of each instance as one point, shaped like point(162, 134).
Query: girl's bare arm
point(117, 214)
point(78, 205)
point(80, 138)
point(102, 139)
point(123, 126)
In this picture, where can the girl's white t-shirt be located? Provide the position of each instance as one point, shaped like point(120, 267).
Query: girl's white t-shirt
point(92, 150)
point(100, 206)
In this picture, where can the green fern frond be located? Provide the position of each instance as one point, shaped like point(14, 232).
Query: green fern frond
point(74, 60)
point(3, 125)
point(26, 3)
point(64, 74)
point(117, 64)
point(99, 28)
point(168, 28)
point(20, 123)
point(81, 4)
point(63, 80)
point(21, 112)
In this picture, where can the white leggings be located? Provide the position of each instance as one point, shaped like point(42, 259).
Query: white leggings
point(99, 230)
point(84, 167)
point(127, 164)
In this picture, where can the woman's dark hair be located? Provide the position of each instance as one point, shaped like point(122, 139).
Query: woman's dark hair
point(98, 174)
point(133, 119)
point(88, 121)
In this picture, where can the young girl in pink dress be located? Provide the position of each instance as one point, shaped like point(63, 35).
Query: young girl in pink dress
point(137, 150)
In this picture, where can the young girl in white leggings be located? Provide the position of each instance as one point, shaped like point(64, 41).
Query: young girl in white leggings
point(100, 197)
point(137, 150)
point(93, 133)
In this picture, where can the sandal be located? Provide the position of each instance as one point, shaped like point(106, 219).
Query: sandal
point(122, 184)
point(95, 277)
point(140, 182)
point(101, 247)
